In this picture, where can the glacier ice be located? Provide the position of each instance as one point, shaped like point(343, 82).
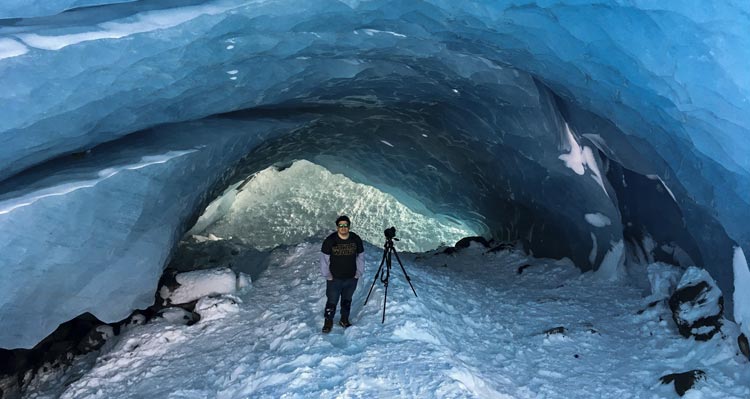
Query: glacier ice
point(93, 233)
point(518, 118)
point(303, 200)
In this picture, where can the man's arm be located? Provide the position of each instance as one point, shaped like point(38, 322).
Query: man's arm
point(360, 265)
point(325, 266)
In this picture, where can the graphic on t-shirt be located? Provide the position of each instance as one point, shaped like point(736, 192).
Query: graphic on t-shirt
point(344, 249)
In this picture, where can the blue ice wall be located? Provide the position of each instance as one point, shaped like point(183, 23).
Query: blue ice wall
point(524, 118)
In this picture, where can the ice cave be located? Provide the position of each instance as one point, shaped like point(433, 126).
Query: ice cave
point(602, 131)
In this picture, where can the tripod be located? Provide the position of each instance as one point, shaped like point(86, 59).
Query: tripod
point(387, 251)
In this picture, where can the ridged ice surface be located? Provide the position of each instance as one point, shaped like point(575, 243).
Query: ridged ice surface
point(517, 118)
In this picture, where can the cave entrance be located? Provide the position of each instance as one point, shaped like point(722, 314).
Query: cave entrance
point(299, 201)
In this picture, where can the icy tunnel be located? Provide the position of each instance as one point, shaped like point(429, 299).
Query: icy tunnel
point(601, 131)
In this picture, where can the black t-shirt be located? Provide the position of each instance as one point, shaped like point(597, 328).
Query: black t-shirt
point(343, 254)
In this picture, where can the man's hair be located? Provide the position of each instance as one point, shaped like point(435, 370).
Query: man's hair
point(343, 218)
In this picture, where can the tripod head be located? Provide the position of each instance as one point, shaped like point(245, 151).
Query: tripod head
point(390, 236)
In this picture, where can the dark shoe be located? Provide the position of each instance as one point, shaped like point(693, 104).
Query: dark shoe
point(345, 323)
point(327, 326)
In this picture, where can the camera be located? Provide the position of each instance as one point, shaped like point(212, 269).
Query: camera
point(390, 232)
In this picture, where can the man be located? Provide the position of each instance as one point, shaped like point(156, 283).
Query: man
point(342, 263)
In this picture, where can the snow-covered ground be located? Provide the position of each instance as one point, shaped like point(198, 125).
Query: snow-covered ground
point(476, 330)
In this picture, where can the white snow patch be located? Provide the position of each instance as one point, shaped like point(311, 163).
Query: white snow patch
point(217, 307)
point(11, 48)
point(612, 267)
point(579, 158)
point(597, 219)
point(663, 279)
point(410, 331)
point(199, 238)
point(175, 315)
point(200, 283)
point(474, 384)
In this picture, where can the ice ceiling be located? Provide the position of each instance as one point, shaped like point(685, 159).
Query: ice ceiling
point(569, 125)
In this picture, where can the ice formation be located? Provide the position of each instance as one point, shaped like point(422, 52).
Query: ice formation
point(516, 118)
point(304, 200)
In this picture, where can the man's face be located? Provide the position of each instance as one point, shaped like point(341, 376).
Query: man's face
point(343, 228)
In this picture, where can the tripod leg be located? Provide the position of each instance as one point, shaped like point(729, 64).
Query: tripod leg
point(376, 278)
point(386, 279)
point(385, 300)
point(408, 279)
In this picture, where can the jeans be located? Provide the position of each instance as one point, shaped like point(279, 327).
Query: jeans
point(343, 288)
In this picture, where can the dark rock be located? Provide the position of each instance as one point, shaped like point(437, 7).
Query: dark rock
point(466, 241)
point(697, 305)
point(95, 339)
point(504, 246)
point(521, 269)
point(9, 387)
point(75, 337)
point(744, 346)
point(683, 381)
point(556, 330)
point(169, 280)
point(449, 251)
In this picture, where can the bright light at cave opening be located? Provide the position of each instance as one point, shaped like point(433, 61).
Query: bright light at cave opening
point(287, 206)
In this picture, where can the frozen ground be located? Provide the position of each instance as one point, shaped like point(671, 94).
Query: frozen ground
point(477, 330)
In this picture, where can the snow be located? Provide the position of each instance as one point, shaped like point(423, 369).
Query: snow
point(477, 329)
point(200, 283)
point(613, 265)
point(11, 48)
point(597, 219)
point(581, 158)
point(707, 304)
point(663, 279)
